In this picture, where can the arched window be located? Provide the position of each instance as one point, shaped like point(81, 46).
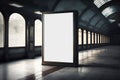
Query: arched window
point(92, 38)
point(95, 38)
point(16, 30)
point(80, 37)
point(89, 37)
point(84, 34)
point(98, 38)
point(102, 39)
point(1, 30)
point(38, 33)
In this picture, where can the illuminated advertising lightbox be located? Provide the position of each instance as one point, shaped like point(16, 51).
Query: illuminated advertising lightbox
point(59, 39)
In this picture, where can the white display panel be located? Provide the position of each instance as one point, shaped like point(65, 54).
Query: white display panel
point(58, 37)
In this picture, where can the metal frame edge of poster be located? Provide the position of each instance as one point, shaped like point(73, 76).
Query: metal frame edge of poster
point(75, 42)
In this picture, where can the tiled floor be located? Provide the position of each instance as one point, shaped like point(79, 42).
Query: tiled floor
point(96, 64)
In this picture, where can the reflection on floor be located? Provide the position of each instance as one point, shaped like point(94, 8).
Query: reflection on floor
point(105, 56)
point(30, 69)
point(97, 64)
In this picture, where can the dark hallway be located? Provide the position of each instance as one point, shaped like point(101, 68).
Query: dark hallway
point(60, 40)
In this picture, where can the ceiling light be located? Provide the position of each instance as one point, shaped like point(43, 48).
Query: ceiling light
point(15, 5)
point(112, 20)
point(38, 12)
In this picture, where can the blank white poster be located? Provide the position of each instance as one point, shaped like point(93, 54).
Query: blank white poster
point(58, 37)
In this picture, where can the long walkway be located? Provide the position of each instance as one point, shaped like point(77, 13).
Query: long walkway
point(96, 64)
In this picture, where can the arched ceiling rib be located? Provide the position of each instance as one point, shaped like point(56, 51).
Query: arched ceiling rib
point(89, 15)
point(100, 24)
point(65, 5)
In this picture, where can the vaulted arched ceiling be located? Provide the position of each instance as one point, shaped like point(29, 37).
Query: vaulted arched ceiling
point(92, 13)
